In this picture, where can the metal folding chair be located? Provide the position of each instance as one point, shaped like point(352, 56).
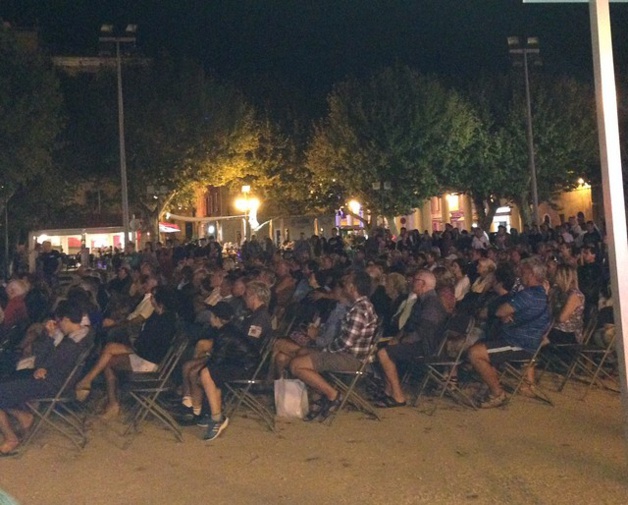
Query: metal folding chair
point(61, 412)
point(590, 367)
point(514, 374)
point(146, 388)
point(347, 382)
point(559, 358)
point(438, 369)
point(245, 392)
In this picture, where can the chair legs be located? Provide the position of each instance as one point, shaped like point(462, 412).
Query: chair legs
point(59, 416)
point(524, 376)
point(350, 395)
point(441, 377)
point(239, 396)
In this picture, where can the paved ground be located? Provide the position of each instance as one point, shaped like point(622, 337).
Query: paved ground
point(529, 453)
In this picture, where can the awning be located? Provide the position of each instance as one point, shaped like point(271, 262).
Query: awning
point(169, 228)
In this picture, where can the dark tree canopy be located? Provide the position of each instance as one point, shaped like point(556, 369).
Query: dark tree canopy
point(396, 127)
point(30, 114)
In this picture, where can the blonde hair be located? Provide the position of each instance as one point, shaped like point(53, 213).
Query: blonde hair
point(566, 278)
point(488, 263)
point(396, 283)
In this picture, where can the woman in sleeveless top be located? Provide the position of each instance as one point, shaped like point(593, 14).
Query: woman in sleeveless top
point(568, 307)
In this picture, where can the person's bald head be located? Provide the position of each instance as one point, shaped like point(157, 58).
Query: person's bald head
point(423, 281)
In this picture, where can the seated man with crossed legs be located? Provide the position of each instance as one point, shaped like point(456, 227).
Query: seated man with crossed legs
point(418, 338)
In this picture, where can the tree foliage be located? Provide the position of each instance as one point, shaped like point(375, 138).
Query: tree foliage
point(397, 127)
point(565, 141)
point(30, 115)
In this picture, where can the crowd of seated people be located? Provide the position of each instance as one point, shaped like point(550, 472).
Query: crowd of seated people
point(53, 357)
point(517, 286)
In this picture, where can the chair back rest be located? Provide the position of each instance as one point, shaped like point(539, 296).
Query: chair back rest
point(374, 347)
point(284, 325)
point(73, 376)
point(544, 341)
point(590, 328)
point(179, 340)
point(179, 345)
point(455, 337)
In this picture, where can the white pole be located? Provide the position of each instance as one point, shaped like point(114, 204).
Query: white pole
point(530, 136)
point(610, 157)
point(123, 177)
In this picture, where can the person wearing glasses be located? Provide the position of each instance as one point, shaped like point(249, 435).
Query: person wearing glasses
point(418, 338)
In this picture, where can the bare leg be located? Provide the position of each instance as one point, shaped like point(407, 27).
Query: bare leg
point(10, 438)
point(24, 418)
point(111, 349)
point(190, 373)
point(392, 376)
point(303, 368)
point(116, 363)
point(479, 359)
point(284, 351)
point(196, 391)
point(213, 393)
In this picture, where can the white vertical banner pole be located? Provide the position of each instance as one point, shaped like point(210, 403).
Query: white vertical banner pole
point(610, 157)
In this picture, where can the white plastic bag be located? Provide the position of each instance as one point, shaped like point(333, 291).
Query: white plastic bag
point(291, 398)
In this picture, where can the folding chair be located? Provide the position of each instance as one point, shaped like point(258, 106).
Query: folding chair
point(590, 367)
point(437, 369)
point(243, 392)
point(60, 412)
point(146, 388)
point(515, 374)
point(559, 358)
point(347, 382)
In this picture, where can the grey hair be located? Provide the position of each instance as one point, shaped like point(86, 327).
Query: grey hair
point(261, 290)
point(538, 268)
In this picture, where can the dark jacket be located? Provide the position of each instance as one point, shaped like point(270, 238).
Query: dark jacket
point(60, 362)
point(156, 336)
point(233, 348)
point(426, 323)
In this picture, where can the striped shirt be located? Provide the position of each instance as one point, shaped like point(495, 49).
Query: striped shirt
point(357, 330)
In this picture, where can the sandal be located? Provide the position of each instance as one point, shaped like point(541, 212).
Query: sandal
point(388, 402)
point(81, 394)
point(11, 452)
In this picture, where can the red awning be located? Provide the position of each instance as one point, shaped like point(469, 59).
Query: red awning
point(169, 228)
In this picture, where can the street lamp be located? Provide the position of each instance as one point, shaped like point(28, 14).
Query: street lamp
point(529, 49)
point(106, 39)
point(249, 206)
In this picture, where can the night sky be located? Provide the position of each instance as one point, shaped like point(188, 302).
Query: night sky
point(310, 44)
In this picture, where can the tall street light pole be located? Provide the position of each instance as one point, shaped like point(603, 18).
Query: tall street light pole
point(528, 50)
point(108, 36)
point(7, 260)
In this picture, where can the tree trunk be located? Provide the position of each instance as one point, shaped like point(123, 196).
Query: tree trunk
point(524, 210)
point(392, 225)
point(492, 210)
point(484, 219)
point(151, 222)
point(358, 217)
point(486, 210)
